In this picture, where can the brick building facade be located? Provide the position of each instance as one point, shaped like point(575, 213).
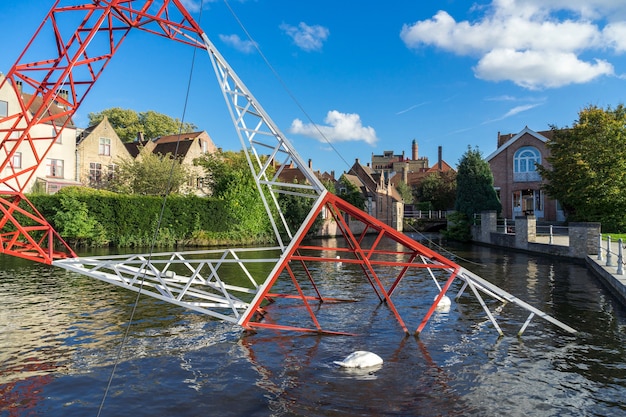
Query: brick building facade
point(516, 178)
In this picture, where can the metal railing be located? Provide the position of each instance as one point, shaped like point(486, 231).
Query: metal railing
point(551, 231)
point(609, 253)
point(425, 214)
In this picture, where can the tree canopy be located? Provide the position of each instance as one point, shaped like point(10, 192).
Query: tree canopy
point(150, 174)
point(230, 179)
point(587, 172)
point(474, 185)
point(129, 123)
point(405, 192)
point(351, 193)
point(439, 189)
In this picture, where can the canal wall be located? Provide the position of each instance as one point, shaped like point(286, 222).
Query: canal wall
point(580, 241)
point(581, 244)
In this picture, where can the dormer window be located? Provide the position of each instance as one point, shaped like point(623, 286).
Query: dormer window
point(4, 108)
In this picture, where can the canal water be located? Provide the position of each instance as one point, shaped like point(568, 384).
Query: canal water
point(61, 336)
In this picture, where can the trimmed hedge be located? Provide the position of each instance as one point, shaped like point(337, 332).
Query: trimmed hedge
point(131, 220)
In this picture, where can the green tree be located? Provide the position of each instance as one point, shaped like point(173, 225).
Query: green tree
point(230, 179)
point(474, 185)
point(587, 171)
point(351, 193)
point(405, 192)
point(73, 222)
point(129, 123)
point(439, 189)
point(149, 174)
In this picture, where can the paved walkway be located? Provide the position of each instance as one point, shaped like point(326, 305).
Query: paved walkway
point(610, 274)
point(607, 269)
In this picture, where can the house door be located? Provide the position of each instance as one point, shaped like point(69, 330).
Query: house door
point(528, 202)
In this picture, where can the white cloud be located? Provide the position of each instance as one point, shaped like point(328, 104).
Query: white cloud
point(539, 69)
point(414, 106)
point(308, 38)
point(340, 127)
point(533, 43)
point(615, 36)
point(238, 43)
point(514, 111)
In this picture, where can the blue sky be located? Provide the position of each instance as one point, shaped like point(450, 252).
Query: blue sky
point(372, 75)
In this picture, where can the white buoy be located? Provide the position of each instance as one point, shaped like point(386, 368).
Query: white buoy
point(444, 304)
point(360, 359)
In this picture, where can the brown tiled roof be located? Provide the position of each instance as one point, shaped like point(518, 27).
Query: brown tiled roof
point(53, 110)
point(177, 137)
point(174, 148)
point(291, 175)
point(445, 167)
point(133, 148)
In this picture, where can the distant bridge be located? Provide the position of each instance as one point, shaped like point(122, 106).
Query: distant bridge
point(425, 220)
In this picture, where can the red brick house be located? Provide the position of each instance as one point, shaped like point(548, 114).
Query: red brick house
point(516, 178)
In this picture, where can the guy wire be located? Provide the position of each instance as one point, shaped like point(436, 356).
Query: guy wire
point(166, 192)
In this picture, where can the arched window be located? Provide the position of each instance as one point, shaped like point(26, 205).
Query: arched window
point(524, 161)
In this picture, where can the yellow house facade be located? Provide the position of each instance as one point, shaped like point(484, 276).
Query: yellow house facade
point(98, 151)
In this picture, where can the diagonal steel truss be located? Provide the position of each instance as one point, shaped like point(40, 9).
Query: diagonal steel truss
point(234, 285)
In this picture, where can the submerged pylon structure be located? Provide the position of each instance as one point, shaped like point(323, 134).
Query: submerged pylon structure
point(235, 285)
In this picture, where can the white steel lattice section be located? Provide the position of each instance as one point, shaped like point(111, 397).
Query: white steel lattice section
point(267, 149)
point(220, 283)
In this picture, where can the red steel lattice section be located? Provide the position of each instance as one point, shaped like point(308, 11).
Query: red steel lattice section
point(353, 249)
point(56, 86)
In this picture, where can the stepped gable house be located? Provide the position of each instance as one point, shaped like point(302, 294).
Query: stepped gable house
point(382, 200)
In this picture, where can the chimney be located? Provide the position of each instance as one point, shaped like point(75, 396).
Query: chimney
point(332, 174)
point(140, 137)
point(405, 173)
point(414, 150)
point(19, 86)
point(439, 160)
point(64, 95)
point(310, 164)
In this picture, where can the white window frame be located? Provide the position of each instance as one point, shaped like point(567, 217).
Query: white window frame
point(4, 108)
point(54, 168)
point(524, 168)
point(16, 161)
point(104, 147)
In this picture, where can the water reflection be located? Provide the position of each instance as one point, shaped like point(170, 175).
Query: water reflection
point(60, 334)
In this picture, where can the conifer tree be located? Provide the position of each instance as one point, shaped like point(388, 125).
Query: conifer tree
point(474, 185)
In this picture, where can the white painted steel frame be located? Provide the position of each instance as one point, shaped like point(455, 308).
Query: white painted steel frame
point(476, 283)
point(191, 279)
point(259, 135)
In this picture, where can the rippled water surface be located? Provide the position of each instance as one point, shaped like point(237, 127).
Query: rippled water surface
point(61, 335)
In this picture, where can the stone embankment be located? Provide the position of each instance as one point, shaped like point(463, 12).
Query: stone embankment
point(582, 243)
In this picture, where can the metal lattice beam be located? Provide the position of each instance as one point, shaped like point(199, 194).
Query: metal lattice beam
point(233, 285)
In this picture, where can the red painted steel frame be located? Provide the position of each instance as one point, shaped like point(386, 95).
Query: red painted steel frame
point(355, 252)
point(76, 63)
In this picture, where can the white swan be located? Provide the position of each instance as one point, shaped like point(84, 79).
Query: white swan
point(360, 359)
point(444, 304)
